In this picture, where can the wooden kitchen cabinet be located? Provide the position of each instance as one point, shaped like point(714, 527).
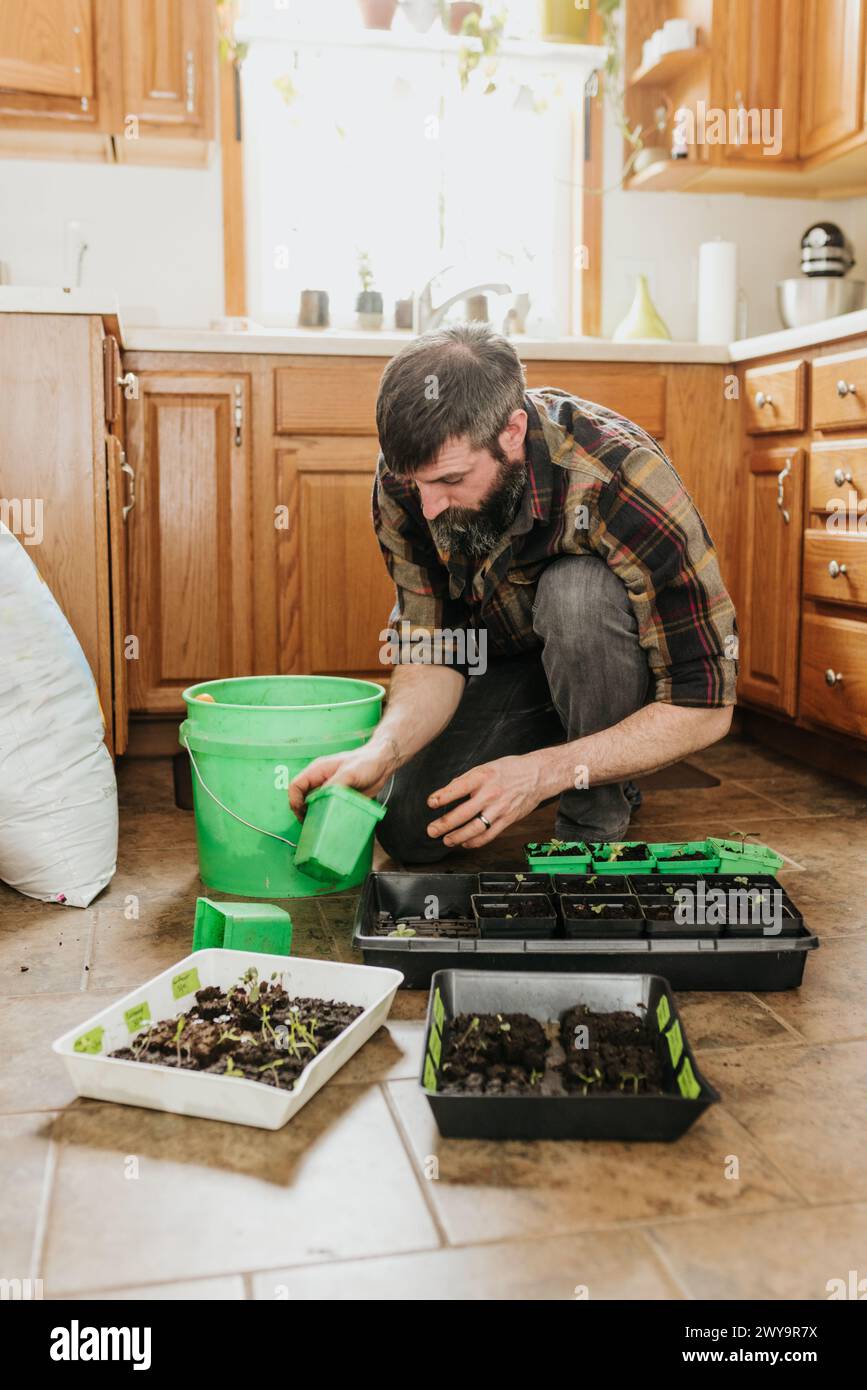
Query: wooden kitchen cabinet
point(59, 446)
point(832, 77)
point(334, 590)
point(126, 81)
point(757, 51)
point(770, 619)
point(190, 550)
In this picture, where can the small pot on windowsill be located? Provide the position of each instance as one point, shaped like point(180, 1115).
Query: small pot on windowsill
point(458, 11)
point(377, 14)
point(368, 308)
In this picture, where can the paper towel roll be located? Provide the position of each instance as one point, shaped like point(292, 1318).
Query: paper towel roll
point(717, 291)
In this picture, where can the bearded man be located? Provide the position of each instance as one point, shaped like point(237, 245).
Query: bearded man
point(554, 538)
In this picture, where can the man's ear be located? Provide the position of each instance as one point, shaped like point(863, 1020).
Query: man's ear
point(513, 436)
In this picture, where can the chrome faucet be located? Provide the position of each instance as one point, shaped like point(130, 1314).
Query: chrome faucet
point(425, 317)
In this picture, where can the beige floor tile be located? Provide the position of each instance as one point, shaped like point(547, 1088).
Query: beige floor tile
point(777, 1255)
point(834, 844)
point(126, 952)
point(728, 801)
point(393, 1052)
point(24, 1152)
point(829, 901)
point(208, 1290)
point(607, 1264)
point(43, 947)
point(728, 1020)
point(738, 757)
point(156, 857)
point(38, 1080)
point(806, 1106)
point(338, 914)
point(808, 793)
point(499, 1191)
point(831, 1006)
point(410, 1003)
point(146, 784)
point(213, 1199)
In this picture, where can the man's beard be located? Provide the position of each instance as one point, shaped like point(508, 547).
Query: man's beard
point(475, 532)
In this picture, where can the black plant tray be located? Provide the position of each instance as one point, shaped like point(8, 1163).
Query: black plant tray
point(628, 921)
point(763, 963)
point(505, 927)
point(564, 1115)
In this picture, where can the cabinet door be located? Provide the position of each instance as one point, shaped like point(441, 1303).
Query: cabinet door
point(169, 54)
point(770, 619)
point(46, 46)
point(832, 79)
point(759, 49)
point(336, 594)
point(190, 577)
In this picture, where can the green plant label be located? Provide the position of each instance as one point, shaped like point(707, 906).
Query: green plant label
point(439, 1012)
point(663, 1012)
point(137, 1015)
point(89, 1042)
point(689, 1087)
point(185, 983)
point(435, 1046)
point(675, 1042)
point(430, 1074)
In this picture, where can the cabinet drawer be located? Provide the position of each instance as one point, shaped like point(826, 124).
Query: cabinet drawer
point(838, 480)
point(327, 395)
point(840, 391)
point(835, 568)
point(775, 398)
point(834, 673)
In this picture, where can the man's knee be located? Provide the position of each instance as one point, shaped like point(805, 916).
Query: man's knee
point(405, 838)
point(581, 601)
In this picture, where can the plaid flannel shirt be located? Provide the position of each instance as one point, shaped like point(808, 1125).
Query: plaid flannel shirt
point(597, 484)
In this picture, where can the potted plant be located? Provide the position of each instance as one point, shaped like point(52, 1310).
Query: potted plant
point(368, 305)
point(458, 12)
point(489, 36)
point(377, 14)
point(590, 916)
point(515, 916)
point(569, 21)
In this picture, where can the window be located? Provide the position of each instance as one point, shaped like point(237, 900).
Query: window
point(362, 143)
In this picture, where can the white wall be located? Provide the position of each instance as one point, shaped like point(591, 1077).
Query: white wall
point(658, 234)
point(154, 235)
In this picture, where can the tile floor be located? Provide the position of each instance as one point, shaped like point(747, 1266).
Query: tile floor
point(343, 1203)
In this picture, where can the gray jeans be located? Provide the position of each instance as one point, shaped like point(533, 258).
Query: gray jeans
point(590, 674)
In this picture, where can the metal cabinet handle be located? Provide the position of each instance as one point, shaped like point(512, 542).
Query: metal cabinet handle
point(781, 478)
point(191, 82)
point(128, 469)
point(763, 400)
point(841, 477)
point(835, 570)
point(833, 677)
point(129, 382)
point(846, 388)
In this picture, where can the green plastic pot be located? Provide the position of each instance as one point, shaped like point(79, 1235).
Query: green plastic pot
point(242, 927)
point(603, 865)
point(337, 832)
point(736, 857)
point(246, 744)
point(668, 862)
point(577, 863)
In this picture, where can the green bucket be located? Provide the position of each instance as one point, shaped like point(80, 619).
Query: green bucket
point(245, 749)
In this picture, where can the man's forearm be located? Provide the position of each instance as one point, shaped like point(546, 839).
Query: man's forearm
point(654, 737)
point(421, 702)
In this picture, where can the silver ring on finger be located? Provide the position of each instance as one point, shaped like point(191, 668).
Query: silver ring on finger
point(485, 822)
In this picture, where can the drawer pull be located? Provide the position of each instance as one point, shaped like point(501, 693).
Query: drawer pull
point(781, 478)
point(846, 388)
point(836, 570)
point(762, 400)
point(841, 477)
point(833, 678)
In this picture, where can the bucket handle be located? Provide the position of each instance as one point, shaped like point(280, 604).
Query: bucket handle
point(249, 824)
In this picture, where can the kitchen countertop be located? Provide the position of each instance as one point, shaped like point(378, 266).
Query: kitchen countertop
point(348, 343)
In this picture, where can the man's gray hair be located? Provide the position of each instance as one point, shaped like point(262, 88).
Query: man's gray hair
point(461, 381)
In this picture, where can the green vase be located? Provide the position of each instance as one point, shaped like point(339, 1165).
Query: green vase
point(642, 321)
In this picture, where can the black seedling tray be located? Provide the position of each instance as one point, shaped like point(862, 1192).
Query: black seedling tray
point(593, 885)
point(760, 963)
point(619, 917)
point(552, 1112)
point(514, 922)
point(517, 882)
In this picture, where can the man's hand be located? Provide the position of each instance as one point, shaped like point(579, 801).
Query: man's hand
point(366, 769)
point(504, 791)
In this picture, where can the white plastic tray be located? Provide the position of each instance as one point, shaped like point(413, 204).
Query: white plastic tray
point(209, 1097)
